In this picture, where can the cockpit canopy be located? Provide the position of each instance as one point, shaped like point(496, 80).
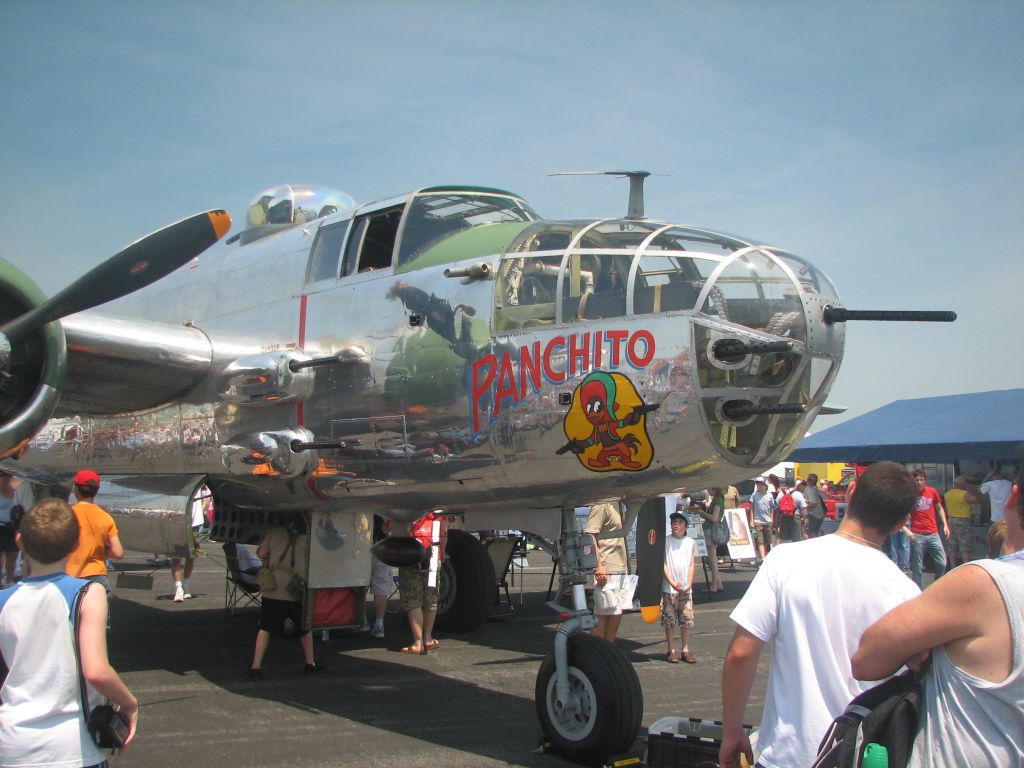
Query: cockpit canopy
point(570, 271)
point(427, 228)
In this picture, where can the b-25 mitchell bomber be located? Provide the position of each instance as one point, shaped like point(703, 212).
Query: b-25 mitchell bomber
point(447, 349)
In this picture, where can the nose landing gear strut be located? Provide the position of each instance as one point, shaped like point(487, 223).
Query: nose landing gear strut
point(587, 694)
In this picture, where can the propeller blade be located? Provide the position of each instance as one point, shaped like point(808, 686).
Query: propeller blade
point(143, 262)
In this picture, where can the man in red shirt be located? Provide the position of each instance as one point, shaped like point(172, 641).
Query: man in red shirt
point(924, 529)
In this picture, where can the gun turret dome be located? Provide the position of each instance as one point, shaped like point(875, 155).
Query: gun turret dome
point(287, 205)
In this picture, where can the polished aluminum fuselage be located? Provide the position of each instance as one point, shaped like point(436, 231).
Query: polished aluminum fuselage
point(413, 420)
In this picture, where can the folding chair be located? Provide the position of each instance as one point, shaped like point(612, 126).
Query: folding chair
point(394, 598)
point(236, 591)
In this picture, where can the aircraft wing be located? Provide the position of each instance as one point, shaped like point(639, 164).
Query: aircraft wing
point(33, 354)
point(118, 364)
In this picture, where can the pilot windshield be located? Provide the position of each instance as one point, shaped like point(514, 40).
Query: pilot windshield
point(435, 217)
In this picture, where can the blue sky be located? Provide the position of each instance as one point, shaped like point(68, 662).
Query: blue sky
point(883, 141)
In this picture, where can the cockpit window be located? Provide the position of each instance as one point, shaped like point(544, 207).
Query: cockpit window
point(618, 233)
point(594, 286)
point(811, 280)
point(526, 291)
point(754, 291)
point(324, 256)
point(436, 216)
point(373, 240)
point(666, 282)
point(695, 241)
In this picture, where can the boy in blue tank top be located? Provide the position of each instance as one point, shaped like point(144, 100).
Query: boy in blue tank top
point(41, 719)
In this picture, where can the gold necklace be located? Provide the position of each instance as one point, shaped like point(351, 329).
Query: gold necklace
point(855, 537)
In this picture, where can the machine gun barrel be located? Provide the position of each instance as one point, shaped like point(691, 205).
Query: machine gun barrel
point(840, 315)
point(735, 410)
point(298, 446)
point(734, 349)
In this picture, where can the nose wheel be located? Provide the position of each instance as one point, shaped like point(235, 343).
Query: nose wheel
point(587, 694)
point(602, 714)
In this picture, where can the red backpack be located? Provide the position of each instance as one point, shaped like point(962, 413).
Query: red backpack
point(787, 504)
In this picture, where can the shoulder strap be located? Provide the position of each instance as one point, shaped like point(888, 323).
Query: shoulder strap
point(76, 617)
point(292, 537)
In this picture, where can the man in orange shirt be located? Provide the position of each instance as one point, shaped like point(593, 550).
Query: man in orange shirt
point(98, 538)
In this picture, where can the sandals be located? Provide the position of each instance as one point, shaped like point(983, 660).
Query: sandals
point(671, 658)
point(688, 657)
point(418, 649)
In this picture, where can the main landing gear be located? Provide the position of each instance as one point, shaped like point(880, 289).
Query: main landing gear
point(466, 587)
point(587, 695)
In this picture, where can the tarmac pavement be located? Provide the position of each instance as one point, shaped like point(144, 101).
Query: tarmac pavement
point(470, 703)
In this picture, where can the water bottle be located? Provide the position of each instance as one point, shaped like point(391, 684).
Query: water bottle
point(875, 756)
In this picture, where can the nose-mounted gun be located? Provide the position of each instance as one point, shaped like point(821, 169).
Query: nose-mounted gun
point(840, 315)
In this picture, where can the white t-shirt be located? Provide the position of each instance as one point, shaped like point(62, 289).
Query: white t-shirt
point(812, 600)
point(199, 510)
point(998, 493)
point(801, 502)
point(248, 563)
point(678, 556)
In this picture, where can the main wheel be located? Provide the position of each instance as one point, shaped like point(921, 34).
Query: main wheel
point(466, 586)
point(612, 702)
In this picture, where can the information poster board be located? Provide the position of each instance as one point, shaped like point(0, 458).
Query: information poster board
point(695, 532)
point(741, 543)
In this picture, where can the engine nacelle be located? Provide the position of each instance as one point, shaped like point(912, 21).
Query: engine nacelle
point(32, 369)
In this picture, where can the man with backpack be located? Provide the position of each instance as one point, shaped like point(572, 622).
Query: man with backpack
point(791, 507)
point(283, 550)
point(813, 602)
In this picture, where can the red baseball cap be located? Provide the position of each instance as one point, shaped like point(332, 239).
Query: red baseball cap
point(87, 477)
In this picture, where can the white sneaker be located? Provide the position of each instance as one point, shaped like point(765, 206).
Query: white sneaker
point(186, 590)
point(377, 632)
point(179, 594)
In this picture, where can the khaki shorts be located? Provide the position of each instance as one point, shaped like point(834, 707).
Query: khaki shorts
point(412, 585)
point(960, 534)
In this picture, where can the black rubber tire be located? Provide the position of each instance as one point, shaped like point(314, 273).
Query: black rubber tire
point(613, 707)
point(467, 584)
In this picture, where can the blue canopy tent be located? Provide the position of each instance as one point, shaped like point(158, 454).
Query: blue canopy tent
point(979, 425)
